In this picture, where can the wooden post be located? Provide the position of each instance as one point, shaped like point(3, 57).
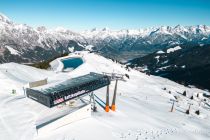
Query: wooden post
point(113, 107)
point(189, 107)
point(188, 111)
point(172, 108)
point(107, 99)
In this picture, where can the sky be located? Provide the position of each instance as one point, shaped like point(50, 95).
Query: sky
point(115, 14)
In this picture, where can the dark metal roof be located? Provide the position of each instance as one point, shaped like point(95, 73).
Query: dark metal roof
point(74, 82)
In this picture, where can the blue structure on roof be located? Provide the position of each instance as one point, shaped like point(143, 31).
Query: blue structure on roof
point(52, 95)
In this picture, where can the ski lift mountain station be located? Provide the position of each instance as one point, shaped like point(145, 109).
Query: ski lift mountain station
point(79, 89)
point(54, 94)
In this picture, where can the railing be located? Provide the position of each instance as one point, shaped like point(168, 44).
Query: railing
point(115, 76)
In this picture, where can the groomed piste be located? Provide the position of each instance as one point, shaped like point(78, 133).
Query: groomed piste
point(143, 106)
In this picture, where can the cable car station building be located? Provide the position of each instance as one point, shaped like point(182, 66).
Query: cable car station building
point(54, 94)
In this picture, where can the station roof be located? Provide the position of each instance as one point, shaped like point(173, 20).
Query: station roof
point(74, 82)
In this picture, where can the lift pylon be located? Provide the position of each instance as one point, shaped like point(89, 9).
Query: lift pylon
point(113, 107)
point(107, 99)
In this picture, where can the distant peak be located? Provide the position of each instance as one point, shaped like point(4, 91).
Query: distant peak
point(4, 18)
point(202, 26)
point(105, 29)
point(178, 26)
point(41, 28)
point(60, 29)
point(94, 29)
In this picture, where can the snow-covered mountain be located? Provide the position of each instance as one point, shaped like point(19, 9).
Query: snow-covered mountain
point(189, 65)
point(142, 107)
point(22, 43)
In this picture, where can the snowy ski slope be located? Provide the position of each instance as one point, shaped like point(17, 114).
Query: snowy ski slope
point(143, 107)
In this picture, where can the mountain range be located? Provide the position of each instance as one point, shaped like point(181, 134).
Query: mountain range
point(186, 64)
point(25, 44)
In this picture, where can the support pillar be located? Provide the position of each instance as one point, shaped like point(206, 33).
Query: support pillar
point(113, 107)
point(93, 103)
point(107, 99)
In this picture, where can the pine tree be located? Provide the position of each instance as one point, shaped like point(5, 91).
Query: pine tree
point(184, 93)
point(197, 112)
point(191, 97)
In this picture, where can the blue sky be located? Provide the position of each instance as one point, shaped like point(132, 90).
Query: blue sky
point(115, 14)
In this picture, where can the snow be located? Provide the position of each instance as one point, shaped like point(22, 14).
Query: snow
point(89, 47)
point(183, 66)
point(173, 49)
point(80, 45)
point(71, 49)
point(12, 51)
point(60, 29)
point(157, 57)
point(183, 36)
point(4, 18)
point(105, 33)
point(160, 52)
point(165, 67)
point(28, 37)
point(143, 107)
point(204, 38)
point(165, 62)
